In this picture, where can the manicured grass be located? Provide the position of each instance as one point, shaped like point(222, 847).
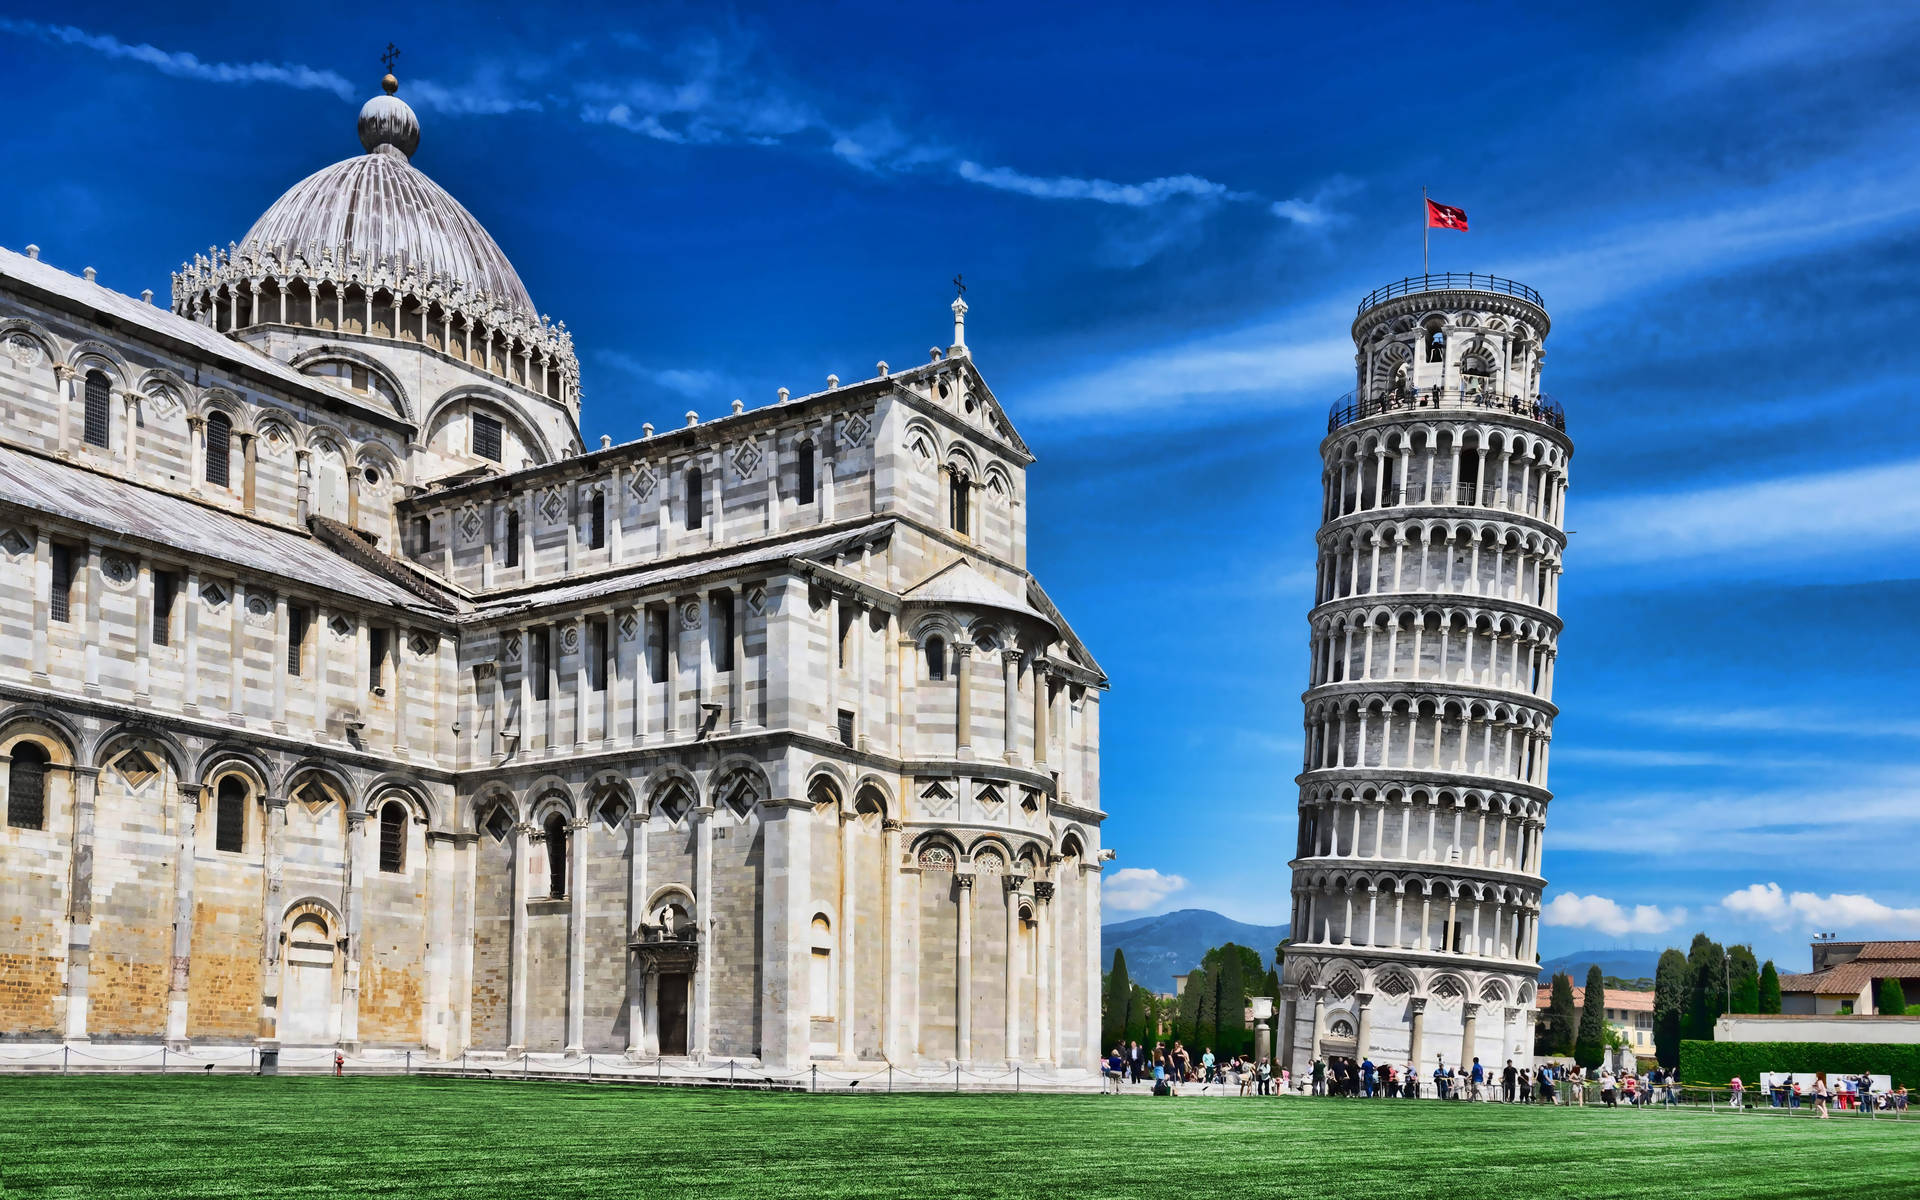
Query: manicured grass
point(160, 1137)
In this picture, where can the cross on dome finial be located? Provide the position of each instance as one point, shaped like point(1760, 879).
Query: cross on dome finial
point(959, 288)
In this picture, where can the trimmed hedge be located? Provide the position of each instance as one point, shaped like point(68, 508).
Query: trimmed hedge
point(1717, 1062)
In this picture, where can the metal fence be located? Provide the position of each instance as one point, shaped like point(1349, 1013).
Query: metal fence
point(1413, 285)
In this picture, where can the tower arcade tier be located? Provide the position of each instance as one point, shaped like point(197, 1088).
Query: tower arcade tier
point(1429, 702)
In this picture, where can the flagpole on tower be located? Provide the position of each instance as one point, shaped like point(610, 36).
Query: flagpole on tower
point(1426, 224)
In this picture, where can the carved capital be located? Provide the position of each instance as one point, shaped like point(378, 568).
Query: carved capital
point(963, 879)
point(1419, 1004)
point(1470, 1009)
point(1043, 890)
point(891, 826)
point(1362, 999)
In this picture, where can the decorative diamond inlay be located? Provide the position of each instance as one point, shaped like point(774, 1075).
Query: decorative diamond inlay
point(642, 482)
point(513, 647)
point(757, 600)
point(613, 810)
point(422, 645)
point(340, 625)
point(746, 460)
point(471, 521)
point(213, 594)
point(276, 439)
point(14, 544)
point(499, 824)
point(629, 624)
point(136, 768)
point(856, 429)
point(552, 506)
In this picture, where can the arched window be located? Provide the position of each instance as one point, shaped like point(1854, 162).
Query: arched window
point(1436, 343)
point(513, 539)
point(27, 786)
point(696, 498)
point(230, 815)
point(219, 434)
point(98, 421)
point(960, 498)
point(804, 490)
point(556, 827)
point(936, 658)
point(597, 521)
point(393, 836)
point(820, 982)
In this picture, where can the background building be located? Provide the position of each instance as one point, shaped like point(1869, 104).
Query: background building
point(1846, 978)
point(1429, 710)
point(346, 697)
point(1629, 1013)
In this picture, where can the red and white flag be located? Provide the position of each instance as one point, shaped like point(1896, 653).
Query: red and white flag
point(1445, 216)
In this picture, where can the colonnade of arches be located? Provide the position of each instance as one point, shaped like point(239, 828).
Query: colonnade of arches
point(1486, 647)
point(1478, 465)
point(1427, 914)
point(1446, 557)
point(1401, 823)
point(1413, 731)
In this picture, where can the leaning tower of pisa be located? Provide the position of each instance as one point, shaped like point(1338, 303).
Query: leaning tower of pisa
point(1429, 705)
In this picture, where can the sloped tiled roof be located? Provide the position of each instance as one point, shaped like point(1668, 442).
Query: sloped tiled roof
point(1621, 998)
point(959, 582)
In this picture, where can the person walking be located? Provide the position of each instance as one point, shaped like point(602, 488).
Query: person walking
point(1737, 1089)
point(1366, 1076)
point(1319, 1077)
point(1475, 1078)
point(1820, 1096)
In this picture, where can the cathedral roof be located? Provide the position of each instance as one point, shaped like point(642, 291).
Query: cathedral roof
point(131, 511)
point(378, 208)
point(959, 582)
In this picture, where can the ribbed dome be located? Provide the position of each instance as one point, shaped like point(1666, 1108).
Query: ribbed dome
point(379, 208)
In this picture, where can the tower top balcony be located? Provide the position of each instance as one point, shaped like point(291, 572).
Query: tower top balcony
point(1451, 281)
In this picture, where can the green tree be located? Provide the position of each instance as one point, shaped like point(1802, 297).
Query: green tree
point(1143, 1015)
point(1672, 991)
point(1206, 1025)
point(1271, 987)
point(1562, 1015)
point(1893, 1002)
point(1116, 1008)
point(1230, 1004)
point(1744, 975)
point(1590, 1047)
point(1187, 1020)
point(1769, 990)
point(1707, 970)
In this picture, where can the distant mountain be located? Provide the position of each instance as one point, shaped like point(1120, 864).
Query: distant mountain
point(1158, 948)
point(1621, 964)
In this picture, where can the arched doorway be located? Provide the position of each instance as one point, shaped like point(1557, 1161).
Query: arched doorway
point(307, 987)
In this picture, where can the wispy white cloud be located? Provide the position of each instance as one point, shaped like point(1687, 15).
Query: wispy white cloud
point(181, 64)
point(1820, 721)
point(1839, 911)
point(1135, 889)
point(1764, 524)
point(1317, 211)
point(1604, 915)
point(1066, 187)
point(693, 383)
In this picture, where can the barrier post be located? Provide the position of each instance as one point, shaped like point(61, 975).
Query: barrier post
point(814, 1084)
point(463, 1062)
point(64, 1052)
point(956, 1077)
point(526, 1064)
point(1016, 1081)
point(163, 1058)
point(408, 1069)
point(730, 1072)
point(889, 1079)
point(589, 1068)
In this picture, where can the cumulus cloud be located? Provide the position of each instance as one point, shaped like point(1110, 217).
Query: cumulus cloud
point(1839, 911)
point(1133, 889)
point(1605, 915)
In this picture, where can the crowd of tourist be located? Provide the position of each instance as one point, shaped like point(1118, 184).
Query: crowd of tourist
point(1848, 1093)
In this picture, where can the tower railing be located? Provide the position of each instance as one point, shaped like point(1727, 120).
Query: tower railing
point(1543, 408)
point(1413, 285)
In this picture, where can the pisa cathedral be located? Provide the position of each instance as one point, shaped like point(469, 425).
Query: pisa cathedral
point(1429, 707)
point(347, 698)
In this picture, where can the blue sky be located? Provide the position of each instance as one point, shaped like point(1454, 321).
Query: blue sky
point(1165, 215)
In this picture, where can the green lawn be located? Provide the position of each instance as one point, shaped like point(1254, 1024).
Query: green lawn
point(233, 1136)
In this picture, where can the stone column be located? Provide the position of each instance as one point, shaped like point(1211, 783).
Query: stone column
point(1418, 1027)
point(80, 902)
point(42, 606)
point(94, 583)
point(1289, 1013)
point(351, 905)
point(525, 837)
point(1088, 966)
point(273, 835)
point(737, 684)
point(1319, 1022)
point(1010, 723)
point(577, 933)
point(143, 634)
point(843, 1016)
point(187, 819)
point(442, 852)
point(639, 1044)
point(1468, 1033)
point(1046, 981)
point(1040, 713)
point(963, 968)
point(702, 1041)
point(785, 934)
point(612, 694)
point(1363, 1032)
point(963, 705)
point(582, 686)
point(894, 1043)
point(1011, 882)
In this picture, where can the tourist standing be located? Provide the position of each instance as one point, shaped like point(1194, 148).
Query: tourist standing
point(1509, 1082)
point(1738, 1089)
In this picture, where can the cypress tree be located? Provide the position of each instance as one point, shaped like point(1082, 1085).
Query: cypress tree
point(1206, 1022)
point(1187, 1020)
point(1562, 1015)
point(1671, 993)
point(1744, 975)
point(1115, 1011)
point(1230, 1007)
point(1272, 986)
point(1590, 1047)
point(1893, 1002)
point(1769, 989)
point(1707, 967)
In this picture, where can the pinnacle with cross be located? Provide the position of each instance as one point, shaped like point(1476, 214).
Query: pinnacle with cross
point(390, 57)
point(960, 289)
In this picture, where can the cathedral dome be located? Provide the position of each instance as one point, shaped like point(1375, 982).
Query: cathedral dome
point(378, 208)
